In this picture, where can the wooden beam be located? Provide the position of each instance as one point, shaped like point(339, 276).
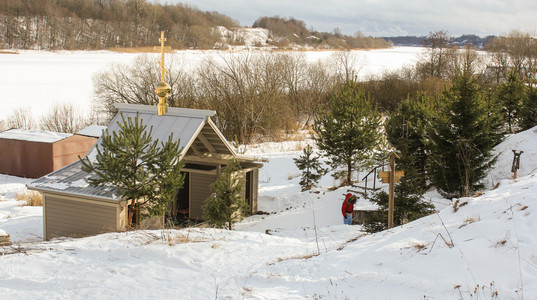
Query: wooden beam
point(211, 172)
point(195, 149)
point(206, 159)
point(206, 143)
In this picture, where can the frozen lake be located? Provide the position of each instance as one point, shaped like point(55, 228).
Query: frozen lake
point(40, 79)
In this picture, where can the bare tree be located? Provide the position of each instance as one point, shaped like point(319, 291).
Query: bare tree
point(247, 91)
point(435, 61)
point(462, 61)
point(21, 118)
point(348, 65)
point(136, 83)
point(64, 117)
point(517, 50)
point(320, 82)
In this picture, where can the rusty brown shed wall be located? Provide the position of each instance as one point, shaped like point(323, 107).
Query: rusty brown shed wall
point(67, 150)
point(25, 158)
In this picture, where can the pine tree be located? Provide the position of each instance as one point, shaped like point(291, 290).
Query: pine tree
point(311, 168)
point(226, 205)
point(460, 138)
point(349, 129)
point(146, 173)
point(511, 95)
point(527, 116)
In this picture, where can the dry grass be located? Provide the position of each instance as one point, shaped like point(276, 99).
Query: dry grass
point(174, 239)
point(470, 220)
point(458, 205)
point(419, 246)
point(30, 198)
point(8, 52)
point(305, 256)
point(500, 243)
point(138, 50)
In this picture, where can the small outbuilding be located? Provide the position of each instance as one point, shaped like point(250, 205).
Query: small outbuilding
point(32, 153)
point(74, 208)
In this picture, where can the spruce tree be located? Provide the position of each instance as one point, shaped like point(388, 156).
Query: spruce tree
point(527, 116)
point(460, 138)
point(405, 130)
point(349, 129)
point(311, 168)
point(147, 173)
point(511, 96)
point(226, 205)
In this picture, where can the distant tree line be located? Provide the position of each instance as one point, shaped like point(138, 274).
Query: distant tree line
point(100, 24)
point(290, 31)
point(463, 40)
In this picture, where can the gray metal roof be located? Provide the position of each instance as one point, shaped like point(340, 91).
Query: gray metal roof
point(184, 124)
point(72, 180)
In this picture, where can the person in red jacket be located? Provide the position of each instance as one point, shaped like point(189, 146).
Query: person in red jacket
point(348, 208)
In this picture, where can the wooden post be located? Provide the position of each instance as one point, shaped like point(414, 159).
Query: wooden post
point(392, 177)
point(392, 182)
point(516, 162)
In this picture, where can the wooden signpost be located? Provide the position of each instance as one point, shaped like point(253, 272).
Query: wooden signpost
point(516, 162)
point(392, 177)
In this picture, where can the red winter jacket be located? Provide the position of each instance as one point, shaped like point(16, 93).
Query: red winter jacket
point(347, 207)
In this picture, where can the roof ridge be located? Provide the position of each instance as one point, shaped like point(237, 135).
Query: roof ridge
point(173, 111)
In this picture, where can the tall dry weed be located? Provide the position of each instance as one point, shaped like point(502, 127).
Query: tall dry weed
point(30, 198)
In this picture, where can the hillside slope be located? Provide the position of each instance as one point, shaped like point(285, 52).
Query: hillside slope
point(482, 247)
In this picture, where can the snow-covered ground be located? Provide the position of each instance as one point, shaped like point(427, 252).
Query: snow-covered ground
point(39, 79)
point(487, 245)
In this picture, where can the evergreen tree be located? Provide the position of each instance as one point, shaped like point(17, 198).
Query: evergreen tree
point(226, 205)
point(511, 96)
point(407, 207)
point(147, 174)
point(348, 129)
point(311, 168)
point(405, 130)
point(527, 116)
point(460, 137)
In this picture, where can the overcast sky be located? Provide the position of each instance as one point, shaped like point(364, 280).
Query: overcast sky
point(387, 17)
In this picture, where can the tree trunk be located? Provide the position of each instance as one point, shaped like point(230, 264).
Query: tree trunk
point(349, 172)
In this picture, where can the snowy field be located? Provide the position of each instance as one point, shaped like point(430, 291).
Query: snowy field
point(487, 246)
point(40, 79)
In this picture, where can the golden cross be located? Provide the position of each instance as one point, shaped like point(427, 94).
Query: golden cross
point(161, 62)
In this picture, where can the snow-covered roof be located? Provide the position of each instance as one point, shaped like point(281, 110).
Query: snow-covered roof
point(92, 131)
point(192, 127)
point(33, 135)
point(183, 123)
point(73, 180)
